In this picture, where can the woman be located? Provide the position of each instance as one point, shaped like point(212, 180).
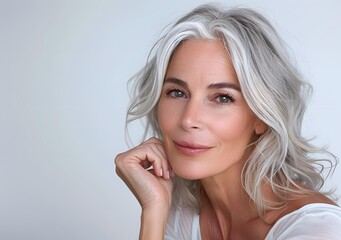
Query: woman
point(228, 161)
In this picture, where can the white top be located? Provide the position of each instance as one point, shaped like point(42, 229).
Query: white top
point(312, 221)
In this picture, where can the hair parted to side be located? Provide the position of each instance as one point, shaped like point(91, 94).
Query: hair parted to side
point(272, 87)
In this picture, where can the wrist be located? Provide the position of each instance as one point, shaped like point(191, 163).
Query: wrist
point(154, 222)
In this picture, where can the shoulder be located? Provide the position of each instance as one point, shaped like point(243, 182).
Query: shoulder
point(312, 221)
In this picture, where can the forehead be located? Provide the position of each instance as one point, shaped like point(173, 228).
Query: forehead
point(201, 50)
point(202, 59)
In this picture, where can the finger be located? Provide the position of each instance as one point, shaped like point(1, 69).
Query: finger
point(161, 148)
point(147, 154)
point(167, 169)
point(157, 148)
point(162, 162)
point(155, 156)
point(153, 159)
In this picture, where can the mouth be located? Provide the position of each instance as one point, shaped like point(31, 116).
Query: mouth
point(191, 149)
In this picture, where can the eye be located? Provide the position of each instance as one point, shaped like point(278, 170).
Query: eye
point(224, 99)
point(176, 93)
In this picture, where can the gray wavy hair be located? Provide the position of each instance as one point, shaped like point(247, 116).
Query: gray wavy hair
point(272, 87)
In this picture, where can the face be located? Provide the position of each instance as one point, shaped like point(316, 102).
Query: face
point(206, 123)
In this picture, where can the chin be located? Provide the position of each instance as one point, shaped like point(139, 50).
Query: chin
point(189, 171)
point(187, 176)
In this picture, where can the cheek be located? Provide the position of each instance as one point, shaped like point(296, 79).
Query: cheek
point(236, 127)
point(166, 116)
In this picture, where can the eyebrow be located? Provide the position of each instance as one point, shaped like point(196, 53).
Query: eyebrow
point(224, 85)
point(211, 86)
point(176, 81)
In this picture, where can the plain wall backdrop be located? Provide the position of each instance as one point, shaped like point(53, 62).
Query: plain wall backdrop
point(64, 66)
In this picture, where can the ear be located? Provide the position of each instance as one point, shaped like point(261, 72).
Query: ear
point(260, 127)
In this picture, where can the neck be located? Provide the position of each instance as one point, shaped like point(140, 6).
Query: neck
point(228, 202)
point(227, 195)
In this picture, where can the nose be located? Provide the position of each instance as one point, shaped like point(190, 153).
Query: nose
point(193, 115)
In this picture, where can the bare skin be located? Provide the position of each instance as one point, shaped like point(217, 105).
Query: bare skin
point(153, 188)
point(242, 220)
point(207, 129)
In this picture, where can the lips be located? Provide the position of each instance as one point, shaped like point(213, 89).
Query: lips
point(191, 149)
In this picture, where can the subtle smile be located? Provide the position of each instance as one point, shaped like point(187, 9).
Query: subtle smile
point(191, 149)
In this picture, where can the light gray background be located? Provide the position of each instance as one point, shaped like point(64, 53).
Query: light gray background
point(63, 71)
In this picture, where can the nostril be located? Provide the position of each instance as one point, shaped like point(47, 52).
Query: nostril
point(191, 123)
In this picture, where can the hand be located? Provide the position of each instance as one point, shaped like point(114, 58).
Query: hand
point(152, 188)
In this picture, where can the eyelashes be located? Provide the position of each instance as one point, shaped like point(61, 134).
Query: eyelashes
point(224, 99)
point(219, 98)
point(176, 93)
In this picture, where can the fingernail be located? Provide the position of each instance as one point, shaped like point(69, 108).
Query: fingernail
point(167, 175)
point(160, 172)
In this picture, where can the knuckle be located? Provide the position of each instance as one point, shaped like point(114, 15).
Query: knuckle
point(118, 160)
point(118, 172)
